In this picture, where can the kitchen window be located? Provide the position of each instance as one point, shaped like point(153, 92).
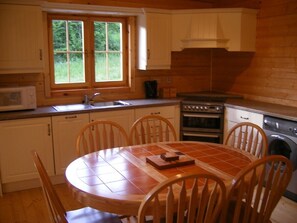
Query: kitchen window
point(88, 52)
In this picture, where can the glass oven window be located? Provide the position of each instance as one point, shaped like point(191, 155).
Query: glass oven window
point(213, 122)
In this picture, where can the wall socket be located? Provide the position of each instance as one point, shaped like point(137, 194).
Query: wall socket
point(168, 80)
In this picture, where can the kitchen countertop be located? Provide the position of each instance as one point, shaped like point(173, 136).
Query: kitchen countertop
point(280, 111)
point(50, 111)
point(275, 110)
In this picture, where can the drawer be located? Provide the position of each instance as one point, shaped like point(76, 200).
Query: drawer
point(165, 111)
point(237, 115)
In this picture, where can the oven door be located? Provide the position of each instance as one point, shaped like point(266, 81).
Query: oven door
point(202, 122)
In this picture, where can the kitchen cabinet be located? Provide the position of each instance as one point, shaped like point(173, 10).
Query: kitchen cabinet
point(234, 116)
point(65, 132)
point(18, 138)
point(154, 45)
point(231, 28)
point(21, 39)
point(123, 117)
point(172, 113)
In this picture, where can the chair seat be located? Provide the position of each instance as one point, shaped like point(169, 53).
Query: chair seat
point(90, 215)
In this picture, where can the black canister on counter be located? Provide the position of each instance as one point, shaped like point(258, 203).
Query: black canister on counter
point(151, 89)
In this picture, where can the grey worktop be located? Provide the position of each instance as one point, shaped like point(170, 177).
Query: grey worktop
point(50, 111)
point(264, 108)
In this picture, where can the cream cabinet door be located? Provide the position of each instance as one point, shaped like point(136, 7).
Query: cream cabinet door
point(123, 117)
point(234, 116)
point(172, 113)
point(65, 132)
point(154, 29)
point(21, 39)
point(18, 138)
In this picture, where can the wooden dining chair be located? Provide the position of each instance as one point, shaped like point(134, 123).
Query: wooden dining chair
point(248, 137)
point(257, 189)
point(100, 134)
point(150, 129)
point(187, 197)
point(58, 214)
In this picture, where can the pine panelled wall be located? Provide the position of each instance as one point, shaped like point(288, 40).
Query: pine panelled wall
point(269, 74)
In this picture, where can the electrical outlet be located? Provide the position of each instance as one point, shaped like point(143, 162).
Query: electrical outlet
point(168, 80)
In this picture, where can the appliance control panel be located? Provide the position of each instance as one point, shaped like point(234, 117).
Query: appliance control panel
point(279, 125)
point(202, 108)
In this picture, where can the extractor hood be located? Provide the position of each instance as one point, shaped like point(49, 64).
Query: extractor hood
point(204, 31)
point(231, 28)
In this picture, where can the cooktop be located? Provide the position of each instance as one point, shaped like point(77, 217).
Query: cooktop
point(207, 96)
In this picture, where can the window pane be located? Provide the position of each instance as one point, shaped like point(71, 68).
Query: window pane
point(59, 35)
point(75, 35)
point(69, 65)
point(108, 62)
point(61, 75)
point(76, 68)
point(100, 67)
point(114, 36)
point(100, 36)
point(115, 68)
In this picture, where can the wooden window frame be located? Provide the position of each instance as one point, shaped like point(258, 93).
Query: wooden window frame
point(90, 84)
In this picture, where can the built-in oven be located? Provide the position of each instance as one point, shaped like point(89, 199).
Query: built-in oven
point(202, 121)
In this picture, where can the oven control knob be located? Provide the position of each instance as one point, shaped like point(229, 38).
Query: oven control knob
point(201, 107)
point(295, 131)
point(218, 108)
point(205, 107)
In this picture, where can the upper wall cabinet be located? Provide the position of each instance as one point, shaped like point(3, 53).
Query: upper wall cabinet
point(233, 29)
point(21, 39)
point(154, 40)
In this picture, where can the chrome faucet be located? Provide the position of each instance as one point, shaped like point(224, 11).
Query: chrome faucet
point(89, 100)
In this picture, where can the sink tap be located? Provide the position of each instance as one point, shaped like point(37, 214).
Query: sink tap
point(89, 100)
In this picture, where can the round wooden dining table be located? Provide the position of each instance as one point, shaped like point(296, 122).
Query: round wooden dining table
point(117, 179)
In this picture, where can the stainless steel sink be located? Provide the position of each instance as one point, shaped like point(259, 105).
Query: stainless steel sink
point(77, 107)
point(109, 104)
point(73, 107)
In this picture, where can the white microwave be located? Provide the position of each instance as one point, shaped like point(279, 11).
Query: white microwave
point(17, 98)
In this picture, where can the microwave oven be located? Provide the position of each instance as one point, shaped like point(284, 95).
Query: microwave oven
point(17, 98)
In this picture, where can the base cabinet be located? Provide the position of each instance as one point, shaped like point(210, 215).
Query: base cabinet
point(65, 132)
point(172, 113)
point(18, 138)
point(124, 118)
point(234, 116)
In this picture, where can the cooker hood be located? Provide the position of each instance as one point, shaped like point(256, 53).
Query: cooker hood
point(205, 31)
point(231, 28)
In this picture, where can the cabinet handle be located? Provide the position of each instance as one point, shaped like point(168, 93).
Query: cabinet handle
point(148, 54)
point(245, 118)
point(40, 54)
point(155, 113)
point(48, 129)
point(71, 117)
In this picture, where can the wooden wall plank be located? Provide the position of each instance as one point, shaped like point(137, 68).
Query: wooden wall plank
point(271, 75)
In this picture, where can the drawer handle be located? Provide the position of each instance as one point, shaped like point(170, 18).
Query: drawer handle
point(48, 129)
point(245, 118)
point(155, 113)
point(71, 117)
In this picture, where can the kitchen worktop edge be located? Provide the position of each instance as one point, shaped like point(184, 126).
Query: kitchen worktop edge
point(48, 111)
point(275, 110)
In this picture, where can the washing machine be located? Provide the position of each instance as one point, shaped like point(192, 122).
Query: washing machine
point(282, 140)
